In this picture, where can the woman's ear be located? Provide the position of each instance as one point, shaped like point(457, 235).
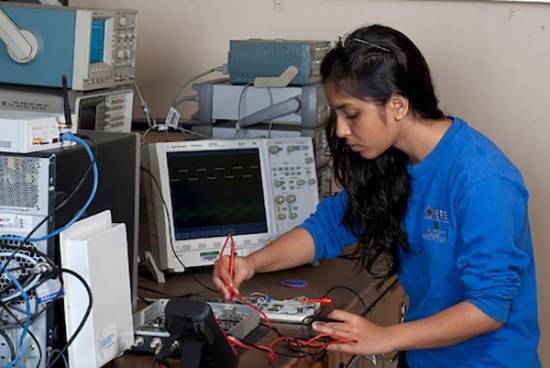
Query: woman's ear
point(399, 107)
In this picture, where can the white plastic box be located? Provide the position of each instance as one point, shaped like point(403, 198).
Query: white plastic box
point(25, 131)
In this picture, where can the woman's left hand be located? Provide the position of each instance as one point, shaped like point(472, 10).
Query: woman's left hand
point(370, 338)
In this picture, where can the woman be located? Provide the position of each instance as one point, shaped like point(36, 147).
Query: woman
point(429, 196)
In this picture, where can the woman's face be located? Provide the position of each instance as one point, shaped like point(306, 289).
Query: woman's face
point(366, 127)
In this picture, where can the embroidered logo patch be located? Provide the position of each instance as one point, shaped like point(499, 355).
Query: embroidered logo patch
point(439, 220)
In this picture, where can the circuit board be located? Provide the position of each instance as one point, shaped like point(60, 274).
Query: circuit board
point(286, 311)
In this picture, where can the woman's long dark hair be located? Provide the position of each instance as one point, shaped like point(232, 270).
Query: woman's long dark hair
point(375, 63)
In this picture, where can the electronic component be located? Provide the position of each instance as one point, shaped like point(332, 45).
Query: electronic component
point(109, 110)
point(221, 101)
point(236, 320)
point(249, 59)
point(272, 185)
point(94, 48)
point(149, 323)
point(203, 342)
point(31, 186)
point(24, 132)
point(286, 311)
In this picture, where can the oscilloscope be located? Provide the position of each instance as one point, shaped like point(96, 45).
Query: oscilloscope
point(253, 189)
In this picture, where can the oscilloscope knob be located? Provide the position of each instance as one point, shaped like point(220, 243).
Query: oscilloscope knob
point(122, 21)
point(139, 341)
point(274, 149)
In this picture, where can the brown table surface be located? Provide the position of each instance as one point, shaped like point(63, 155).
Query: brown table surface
point(321, 278)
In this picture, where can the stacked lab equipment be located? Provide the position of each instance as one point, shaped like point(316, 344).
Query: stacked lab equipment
point(57, 60)
point(236, 107)
point(93, 48)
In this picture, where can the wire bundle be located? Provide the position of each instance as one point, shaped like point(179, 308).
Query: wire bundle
point(295, 344)
point(34, 268)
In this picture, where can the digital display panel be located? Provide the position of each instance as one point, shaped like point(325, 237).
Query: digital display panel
point(87, 117)
point(215, 193)
point(97, 41)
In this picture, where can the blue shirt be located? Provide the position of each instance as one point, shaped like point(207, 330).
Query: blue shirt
point(469, 239)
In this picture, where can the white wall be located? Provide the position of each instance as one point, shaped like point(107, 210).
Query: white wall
point(490, 61)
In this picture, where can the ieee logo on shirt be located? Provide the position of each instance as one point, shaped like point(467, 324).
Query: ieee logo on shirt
point(438, 222)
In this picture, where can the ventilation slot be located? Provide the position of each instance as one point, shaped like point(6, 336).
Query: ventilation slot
point(19, 182)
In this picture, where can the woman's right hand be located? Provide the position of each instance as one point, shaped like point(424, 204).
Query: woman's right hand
point(243, 270)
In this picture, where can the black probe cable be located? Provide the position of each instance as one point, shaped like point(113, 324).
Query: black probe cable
point(168, 217)
point(84, 317)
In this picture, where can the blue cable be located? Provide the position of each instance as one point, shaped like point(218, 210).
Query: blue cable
point(68, 136)
point(21, 348)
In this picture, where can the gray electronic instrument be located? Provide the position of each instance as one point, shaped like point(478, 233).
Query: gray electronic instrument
point(257, 58)
point(254, 189)
point(304, 106)
point(108, 110)
point(237, 320)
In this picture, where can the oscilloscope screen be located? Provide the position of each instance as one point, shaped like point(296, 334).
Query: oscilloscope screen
point(216, 192)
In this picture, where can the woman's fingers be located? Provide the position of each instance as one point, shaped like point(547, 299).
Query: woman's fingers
point(331, 328)
point(221, 276)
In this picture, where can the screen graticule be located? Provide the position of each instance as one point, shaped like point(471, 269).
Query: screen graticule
point(199, 185)
point(97, 41)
